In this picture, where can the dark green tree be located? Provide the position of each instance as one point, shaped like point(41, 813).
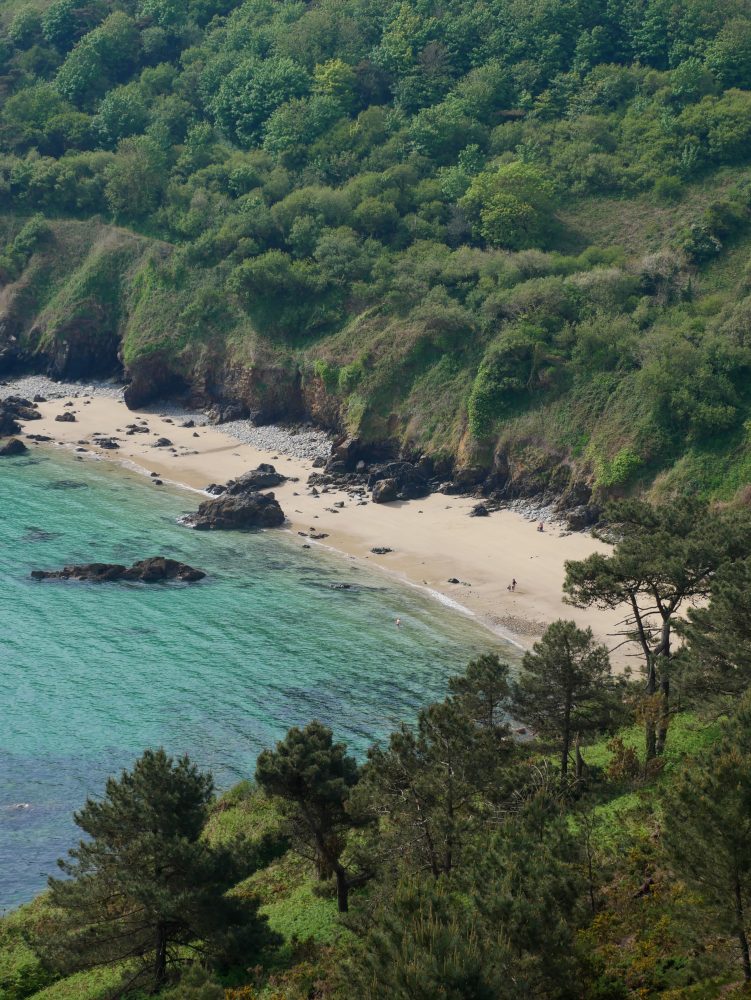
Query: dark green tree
point(431, 787)
point(666, 557)
point(484, 692)
point(565, 686)
point(717, 660)
point(314, 777)
point(145, 888)
point(707, 830)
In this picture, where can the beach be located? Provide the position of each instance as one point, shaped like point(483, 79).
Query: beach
point(432, 540)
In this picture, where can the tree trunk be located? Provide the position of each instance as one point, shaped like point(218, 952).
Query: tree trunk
point(160, 957)
point(566, 737)
point(650, 731)
point(342, 890)
point(741, 932)
point(664, 720)
point(578, 757)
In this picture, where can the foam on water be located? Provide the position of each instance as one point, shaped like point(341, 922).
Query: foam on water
point(90, 675)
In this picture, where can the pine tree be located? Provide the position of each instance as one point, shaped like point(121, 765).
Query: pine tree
point(484, 692)
point(707, 830)
point(565, 686)
point(666, 557)
point(717, 661)
point(431, 786)
point(145, 885)
point(314, 777)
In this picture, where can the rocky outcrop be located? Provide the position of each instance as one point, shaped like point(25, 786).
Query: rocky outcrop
point(12, 448)
point(13, 409)
point(385, 491)
point(264, 477)
point(157, 569)
point(239, 511)
point(405, 482)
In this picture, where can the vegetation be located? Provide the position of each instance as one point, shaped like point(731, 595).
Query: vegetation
point(458, 859)
point(497, 228)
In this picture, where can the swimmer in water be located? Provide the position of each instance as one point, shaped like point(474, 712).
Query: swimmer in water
point(398, 622)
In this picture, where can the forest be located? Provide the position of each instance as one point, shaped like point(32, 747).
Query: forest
point(600, 849)
point(510, 234)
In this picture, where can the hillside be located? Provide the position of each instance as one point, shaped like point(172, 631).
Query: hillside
point(511, 235)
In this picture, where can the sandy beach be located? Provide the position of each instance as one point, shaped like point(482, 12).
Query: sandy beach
point(432, 539)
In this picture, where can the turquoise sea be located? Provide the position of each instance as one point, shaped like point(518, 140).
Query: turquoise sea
point(90, 675)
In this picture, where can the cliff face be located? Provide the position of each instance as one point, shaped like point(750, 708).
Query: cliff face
point(93, 300)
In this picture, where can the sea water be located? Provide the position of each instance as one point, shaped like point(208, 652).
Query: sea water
point(91, 674)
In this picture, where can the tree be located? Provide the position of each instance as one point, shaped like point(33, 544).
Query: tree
point(484, 692)
point(565, 686)
point(145, 886)
point(510, 206)
point(717, 660)
point(430, 787)
point(666, 557)
point(314, 777)
point(135, 178)
point(707, 831)
point(246, 98)
point(499, 929)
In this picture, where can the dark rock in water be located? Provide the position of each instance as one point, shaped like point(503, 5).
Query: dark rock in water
point(340, 586)
point(263, 477)
point(215, 489)
point(66, 418)
point(38, 437)
point(479, 510)
point(237, 511)
point(385, 490)
point(158, 482)
point(381, 550)
point(12, 448)
point(67, 484)
point(157, 569)
point(318, 535)
point(34, 534)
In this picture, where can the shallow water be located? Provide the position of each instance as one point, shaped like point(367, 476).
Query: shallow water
point(90, 675)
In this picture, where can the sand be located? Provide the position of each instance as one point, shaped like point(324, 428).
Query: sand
point(433, 539)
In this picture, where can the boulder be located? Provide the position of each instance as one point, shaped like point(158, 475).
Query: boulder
point(8, 423)
point(479, 510)
point(381, 550)
point(237, 511)
point(264, 477)
point(12, 448)
point(410, 483)
point(109, 444)
point(582, 517)
point(345, 450)
point(157, 569)
point(66, 418)
point(385, 490)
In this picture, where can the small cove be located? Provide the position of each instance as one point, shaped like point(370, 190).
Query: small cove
point(90, 675)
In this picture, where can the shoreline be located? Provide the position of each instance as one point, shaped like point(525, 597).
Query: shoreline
point(432, 539)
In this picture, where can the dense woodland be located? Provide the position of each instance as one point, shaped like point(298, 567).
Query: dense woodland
point(597, 848)
point(513, 233)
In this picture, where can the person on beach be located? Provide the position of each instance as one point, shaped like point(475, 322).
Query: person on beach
point(541, 526)
point(513, 585)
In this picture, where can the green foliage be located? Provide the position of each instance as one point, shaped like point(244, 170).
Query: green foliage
point(145, 882)
point(565, 687)
point(511, 206)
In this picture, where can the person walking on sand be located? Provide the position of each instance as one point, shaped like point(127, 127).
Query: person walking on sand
point(513, 585)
